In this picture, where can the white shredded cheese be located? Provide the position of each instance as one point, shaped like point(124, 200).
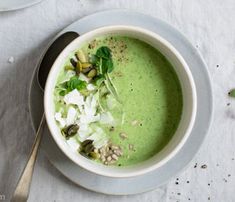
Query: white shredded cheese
point(84, 132)
point(107, 118)
point(90, 87)
point(88, 115)
point(85, 113)
point(83, 77)
point(58, 117)
point(99, 138)
point(71, 116)
point(74, 97)
point(111, 102)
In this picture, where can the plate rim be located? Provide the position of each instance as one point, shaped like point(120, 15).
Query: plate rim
point(211, 112)
point(22, 6)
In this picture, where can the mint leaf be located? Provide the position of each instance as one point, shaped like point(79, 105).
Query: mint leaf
point(75, 83)
point(109, 65)
point(105, 60)
point(62, 92)
point(105, 65)
point(98, 80)
point(104, 52)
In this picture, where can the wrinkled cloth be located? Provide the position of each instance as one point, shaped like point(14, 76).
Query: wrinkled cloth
point(208, 24)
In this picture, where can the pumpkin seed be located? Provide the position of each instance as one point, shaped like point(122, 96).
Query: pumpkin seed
point(94, 155)
point(70, 130)
point(69, 67)
point(86, 65)
point(92, 73)
point(86, 142)
point(89, 148)
point(87, 69)
point(78, 67)
point(83, 153)
point(73, 62)
point(81, 56)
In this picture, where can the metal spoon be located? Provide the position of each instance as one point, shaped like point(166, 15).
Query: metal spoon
point(23, 186)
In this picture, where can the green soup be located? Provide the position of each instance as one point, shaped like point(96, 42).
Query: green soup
point(149, 104)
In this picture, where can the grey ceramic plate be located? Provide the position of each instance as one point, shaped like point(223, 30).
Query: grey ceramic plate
point(160, 176)
point(8, 5)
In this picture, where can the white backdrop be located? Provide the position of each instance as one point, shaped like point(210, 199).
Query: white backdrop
point(208, 24)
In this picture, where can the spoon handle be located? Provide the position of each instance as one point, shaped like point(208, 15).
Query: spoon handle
point(22, 189)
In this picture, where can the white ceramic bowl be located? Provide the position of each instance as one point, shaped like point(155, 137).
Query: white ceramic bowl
point(189, 102)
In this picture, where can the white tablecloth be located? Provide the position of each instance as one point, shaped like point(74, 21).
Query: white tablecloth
point(208, 24)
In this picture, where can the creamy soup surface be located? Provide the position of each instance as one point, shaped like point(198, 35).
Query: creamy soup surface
point(118, 100)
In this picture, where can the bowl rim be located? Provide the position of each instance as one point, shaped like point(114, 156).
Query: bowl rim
point(171, 48)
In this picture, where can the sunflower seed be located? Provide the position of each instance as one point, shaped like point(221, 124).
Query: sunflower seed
point(123, 135)
point(115, 157)
point(114, 147)
point(103, 159)
point(109, 158)
point(118, 152)
point(134, 123)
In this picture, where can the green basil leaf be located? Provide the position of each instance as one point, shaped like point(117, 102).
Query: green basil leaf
point(104, 52)
point(98, 80)
point(75, 83)
point(109, 64)
point(104, 66)
point(62, 92)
